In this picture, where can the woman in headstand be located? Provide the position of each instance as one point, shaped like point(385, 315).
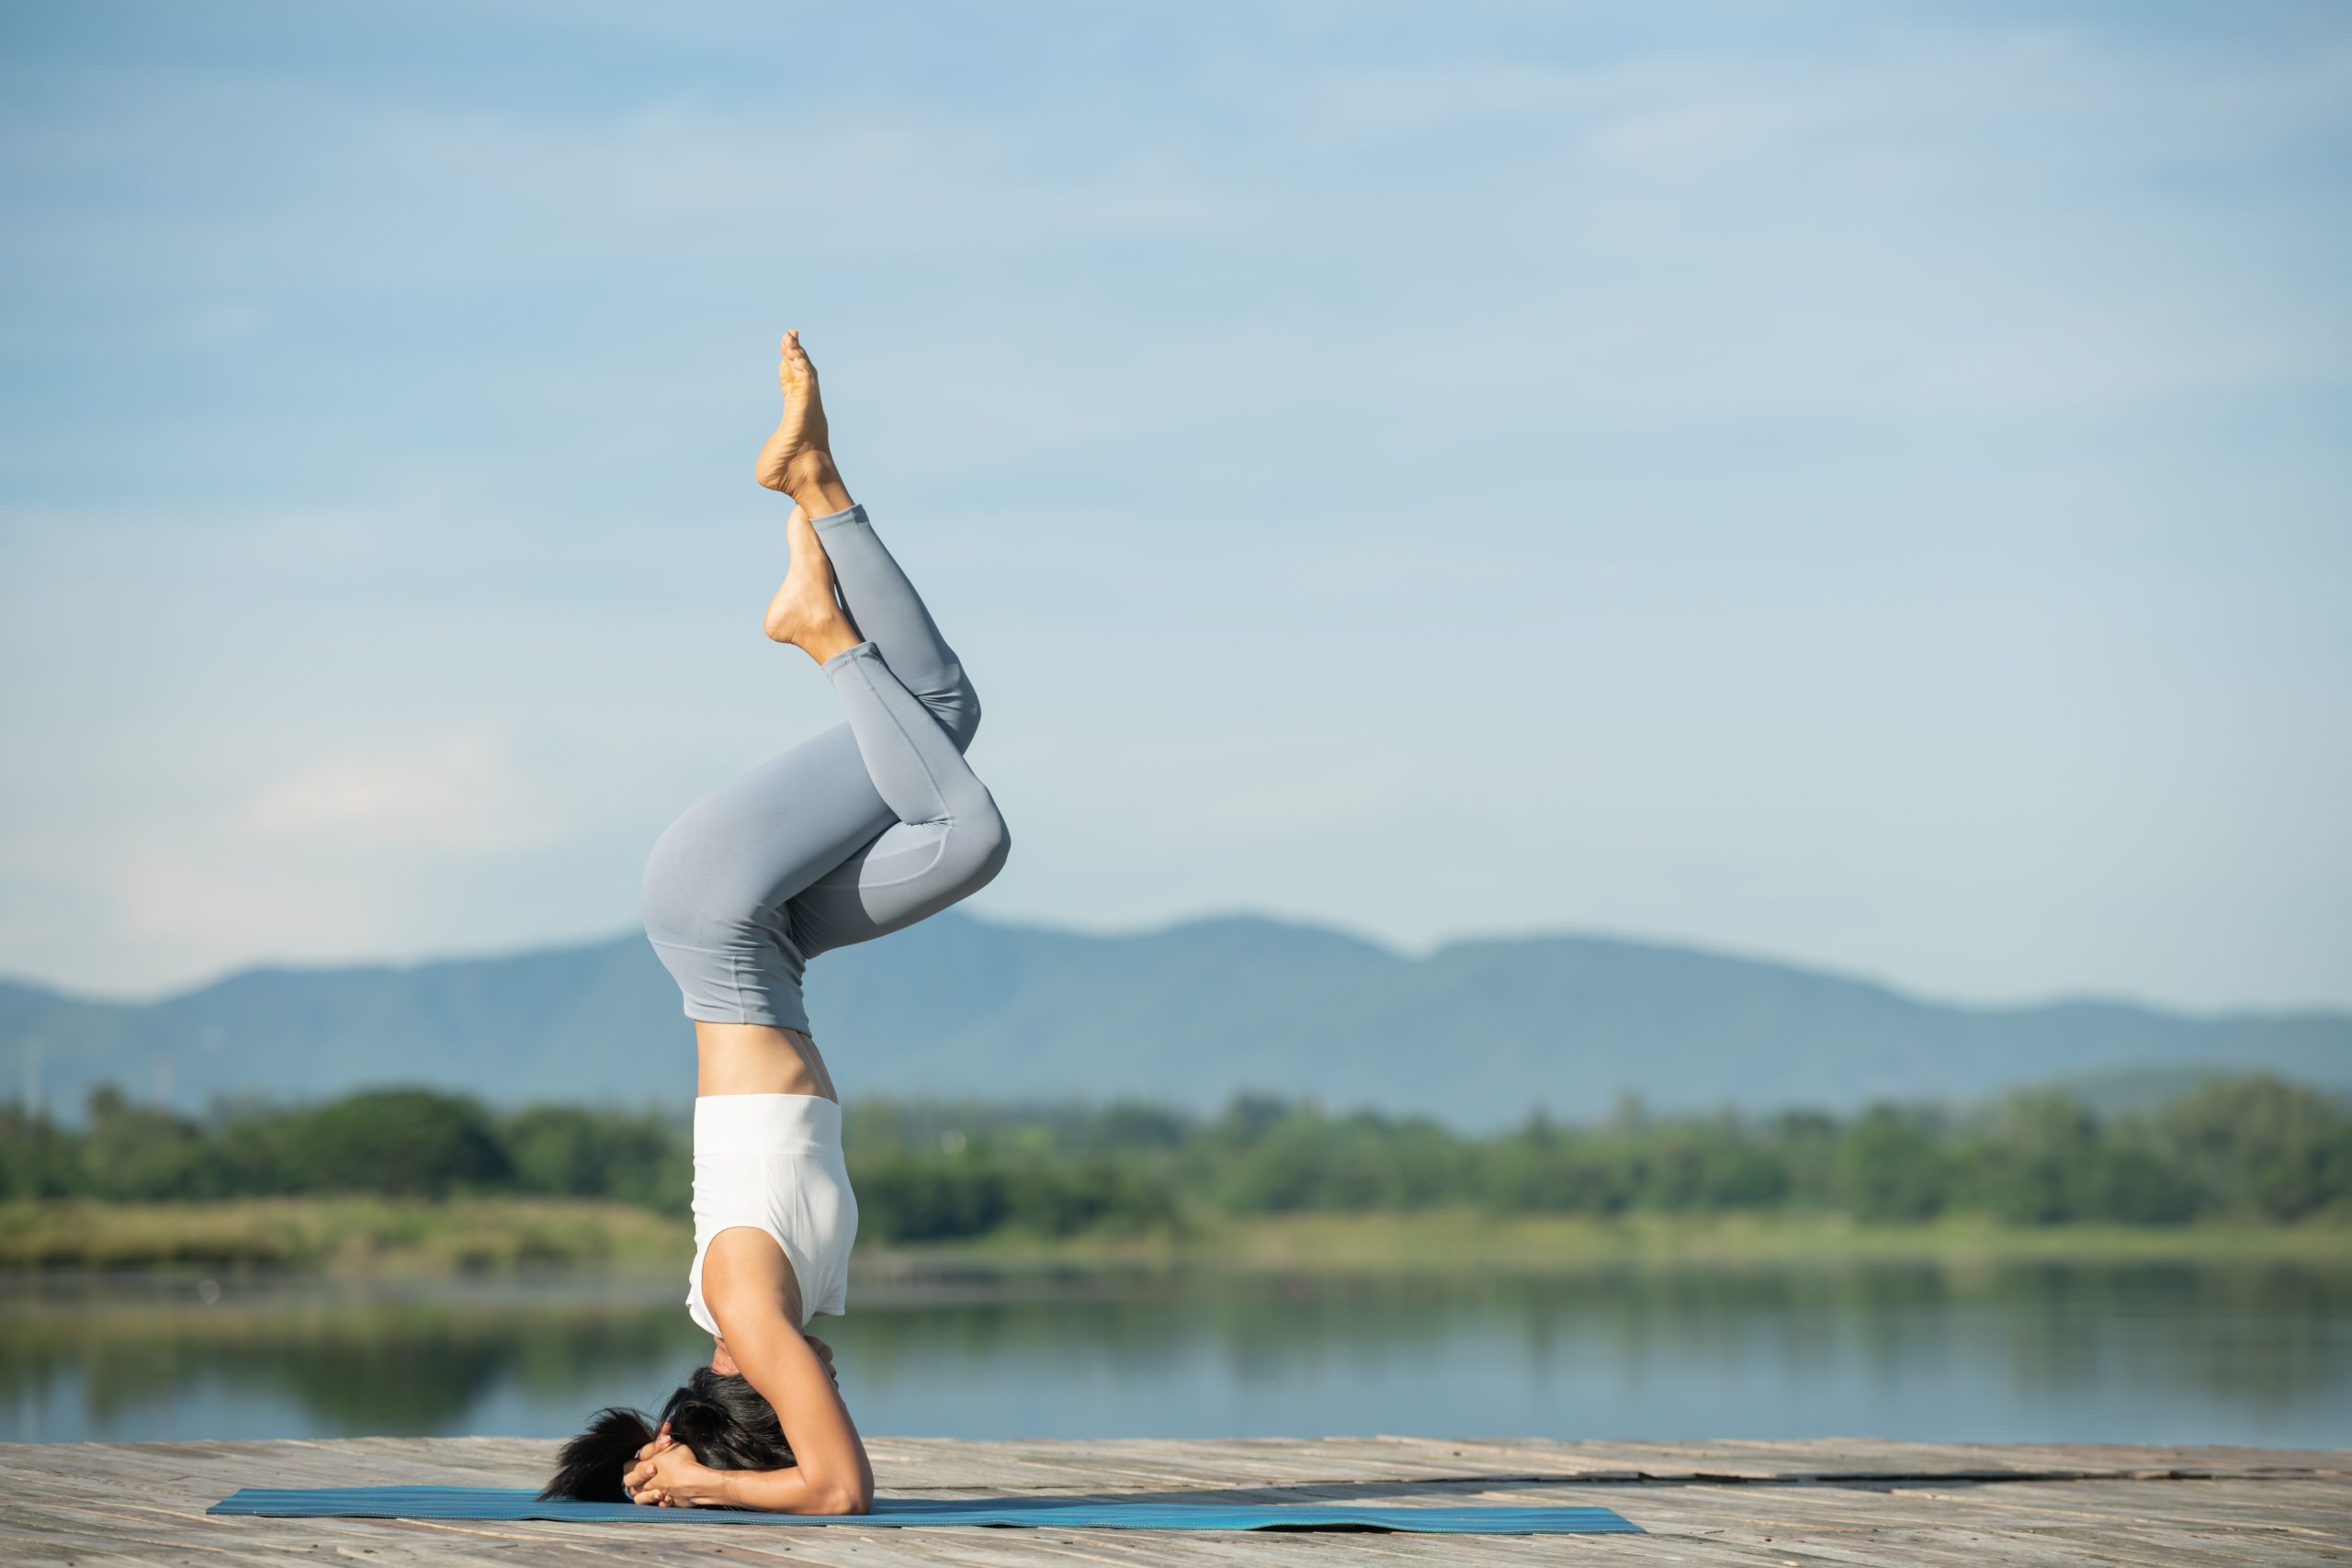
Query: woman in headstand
point(868, 827)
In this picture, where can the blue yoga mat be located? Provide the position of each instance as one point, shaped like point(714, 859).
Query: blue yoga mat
point(1038, 1513)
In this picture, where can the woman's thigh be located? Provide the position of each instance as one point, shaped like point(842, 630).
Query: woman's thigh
point(736, 857)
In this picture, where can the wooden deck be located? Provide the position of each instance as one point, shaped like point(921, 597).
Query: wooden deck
point(1728, 1503)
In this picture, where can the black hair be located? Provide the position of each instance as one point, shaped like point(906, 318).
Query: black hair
point(728, 1423)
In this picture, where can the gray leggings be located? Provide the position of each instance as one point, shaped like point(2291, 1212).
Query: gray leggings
point(868, 827)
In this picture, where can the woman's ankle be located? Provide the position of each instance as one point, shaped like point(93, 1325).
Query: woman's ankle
point(811, 480)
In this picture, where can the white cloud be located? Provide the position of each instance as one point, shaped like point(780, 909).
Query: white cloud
point(464, 791)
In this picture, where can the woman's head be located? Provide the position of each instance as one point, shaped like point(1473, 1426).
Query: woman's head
point(725, 1421)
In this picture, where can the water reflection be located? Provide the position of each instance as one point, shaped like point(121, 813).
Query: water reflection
point(2122, 1352)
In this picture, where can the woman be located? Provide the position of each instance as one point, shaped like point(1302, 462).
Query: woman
point(865, 829)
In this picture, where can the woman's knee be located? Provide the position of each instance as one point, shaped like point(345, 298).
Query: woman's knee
point(958, 712)
point(979, 843)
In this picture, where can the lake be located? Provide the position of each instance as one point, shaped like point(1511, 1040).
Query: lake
point(2006, 1352)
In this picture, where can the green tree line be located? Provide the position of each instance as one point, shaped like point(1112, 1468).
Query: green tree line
point(2251, 1149)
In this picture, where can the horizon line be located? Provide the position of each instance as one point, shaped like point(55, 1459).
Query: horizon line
point(1691, 947)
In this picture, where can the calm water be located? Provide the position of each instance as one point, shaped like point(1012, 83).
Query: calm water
point(2126, 1352)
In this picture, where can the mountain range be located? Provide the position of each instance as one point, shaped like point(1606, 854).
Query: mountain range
point(1478, 1032)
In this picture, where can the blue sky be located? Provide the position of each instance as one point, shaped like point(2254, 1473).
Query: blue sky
point(1860, 484)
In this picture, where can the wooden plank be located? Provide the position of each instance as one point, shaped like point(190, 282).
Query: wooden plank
point(143, 1502)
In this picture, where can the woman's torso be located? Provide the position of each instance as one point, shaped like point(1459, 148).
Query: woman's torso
point(772, 1162)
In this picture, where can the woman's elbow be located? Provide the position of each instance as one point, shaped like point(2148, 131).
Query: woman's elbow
point(846, 1500)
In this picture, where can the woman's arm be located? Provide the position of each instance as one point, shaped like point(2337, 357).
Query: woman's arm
point(746, 1283)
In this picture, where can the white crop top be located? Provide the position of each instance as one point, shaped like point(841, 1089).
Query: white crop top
point(773, 1162)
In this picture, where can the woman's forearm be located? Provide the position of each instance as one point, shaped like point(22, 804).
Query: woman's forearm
point(793, 1490)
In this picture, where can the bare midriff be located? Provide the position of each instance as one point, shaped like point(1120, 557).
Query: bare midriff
point(755, 1058)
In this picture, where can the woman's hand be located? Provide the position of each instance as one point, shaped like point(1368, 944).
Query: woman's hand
point(671, 1477)
point(638, 1474)
point(642, 1480)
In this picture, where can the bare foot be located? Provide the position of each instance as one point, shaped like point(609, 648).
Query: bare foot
point(798, 458)
point(804, 612)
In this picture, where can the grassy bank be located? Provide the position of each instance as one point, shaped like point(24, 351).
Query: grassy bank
point(340, 1234)
point(1406, 1240)
point(1415, 1240)
point(373, 1234)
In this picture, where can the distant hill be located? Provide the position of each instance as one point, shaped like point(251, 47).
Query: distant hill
point(1478, 1032)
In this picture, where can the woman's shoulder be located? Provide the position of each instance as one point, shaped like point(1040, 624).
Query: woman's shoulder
point(745, 1271)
